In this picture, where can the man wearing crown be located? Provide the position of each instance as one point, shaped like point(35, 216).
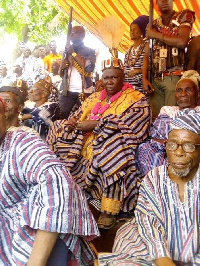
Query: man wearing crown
point(98, 143)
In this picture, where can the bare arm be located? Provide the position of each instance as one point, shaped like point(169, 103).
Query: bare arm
point(87, 125)
point(42, 248)
point(147, 86)
point(72, 123)
point(26, 116)
point(179, 41)
point(145, 61)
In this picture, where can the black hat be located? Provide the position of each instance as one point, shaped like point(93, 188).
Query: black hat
point(142, 22)
point(14, 90)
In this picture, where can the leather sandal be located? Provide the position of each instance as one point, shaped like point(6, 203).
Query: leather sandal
point(106, 222)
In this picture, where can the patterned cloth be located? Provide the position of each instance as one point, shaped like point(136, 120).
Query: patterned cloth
point(193, 75)
point(55, 88)
point(164, 89)
point(187, 119)
point(163, 225)
point(103, 161)
point(36, 192)
point(25, 129)
point(43, 116)
point(136, 80)
point(182, 18)
point(151, 153)
point(56, 80)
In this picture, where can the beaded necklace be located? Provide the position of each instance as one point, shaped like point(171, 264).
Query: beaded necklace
point(169, 30)
point(140, 49)
point(98, 109)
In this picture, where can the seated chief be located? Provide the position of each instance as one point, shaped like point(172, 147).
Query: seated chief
point(98, 143)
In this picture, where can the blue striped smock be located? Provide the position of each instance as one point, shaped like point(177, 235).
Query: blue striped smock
point(37, 192)
point(43, 116)
point(164, 226)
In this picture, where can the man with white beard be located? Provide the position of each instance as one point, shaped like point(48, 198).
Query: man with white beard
point(165, 230)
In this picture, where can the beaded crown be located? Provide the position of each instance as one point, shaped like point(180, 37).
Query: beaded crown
point(112, 62)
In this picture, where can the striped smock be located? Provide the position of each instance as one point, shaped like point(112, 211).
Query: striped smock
point(136, 80)
point(37, 192)
point(164, 226)
point(102, 162)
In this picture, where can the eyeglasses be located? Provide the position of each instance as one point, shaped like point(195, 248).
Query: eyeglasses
point(187, 147)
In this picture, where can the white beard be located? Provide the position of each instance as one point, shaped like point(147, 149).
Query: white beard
point(181, 173)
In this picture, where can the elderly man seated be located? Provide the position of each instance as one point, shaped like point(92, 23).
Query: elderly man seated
point(44, 217)
point(152, 152)
point(165, 230)
point(100, 150)
point(44, 112)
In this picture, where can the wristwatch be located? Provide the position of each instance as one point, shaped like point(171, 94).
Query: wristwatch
point(74, 54)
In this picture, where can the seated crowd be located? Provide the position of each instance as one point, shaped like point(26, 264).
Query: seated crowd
point(106, 147)
point(108, 154)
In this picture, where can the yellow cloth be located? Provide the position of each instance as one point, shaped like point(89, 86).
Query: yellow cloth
point(127, 98)
point(48, 60)
point(110, 205)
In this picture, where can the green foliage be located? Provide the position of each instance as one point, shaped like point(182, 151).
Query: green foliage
point(33, 18)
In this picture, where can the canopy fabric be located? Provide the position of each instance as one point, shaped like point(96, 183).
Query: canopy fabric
point(90, 12)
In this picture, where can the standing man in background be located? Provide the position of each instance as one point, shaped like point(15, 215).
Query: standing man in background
point(171, 33)
point(80, 62)
point(52, 56)
point(42, 51)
